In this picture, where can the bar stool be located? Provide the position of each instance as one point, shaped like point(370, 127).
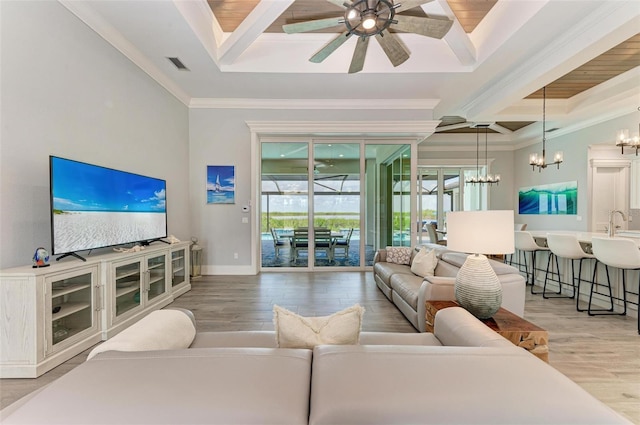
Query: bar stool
point(566, 246)
point(619, 253)
point(516, 227)
point(525, 243)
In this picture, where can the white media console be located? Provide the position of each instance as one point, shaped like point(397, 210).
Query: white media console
point(50, 314)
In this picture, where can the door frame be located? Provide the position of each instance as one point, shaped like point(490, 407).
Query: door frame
point(412, 132)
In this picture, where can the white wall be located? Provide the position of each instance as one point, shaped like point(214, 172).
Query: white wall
point(221, 137)
point(66, 92)
point(574, 168)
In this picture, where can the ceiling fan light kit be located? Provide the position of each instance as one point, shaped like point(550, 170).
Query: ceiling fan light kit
point(540, 161)
point(367, 18)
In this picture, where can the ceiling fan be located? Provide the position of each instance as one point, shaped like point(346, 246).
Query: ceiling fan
point(368, 18)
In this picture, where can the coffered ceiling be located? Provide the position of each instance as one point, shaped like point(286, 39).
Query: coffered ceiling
point(489, 68)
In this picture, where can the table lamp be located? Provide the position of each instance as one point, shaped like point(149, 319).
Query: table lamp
point(477, 287)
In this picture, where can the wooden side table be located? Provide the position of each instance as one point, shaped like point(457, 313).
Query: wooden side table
point(514, 328)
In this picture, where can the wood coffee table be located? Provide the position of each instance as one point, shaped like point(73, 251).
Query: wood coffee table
point(514, 328)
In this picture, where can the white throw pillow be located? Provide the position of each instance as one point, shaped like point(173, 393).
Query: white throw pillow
point(399, 255)
point(425, 262)
point(295, 331)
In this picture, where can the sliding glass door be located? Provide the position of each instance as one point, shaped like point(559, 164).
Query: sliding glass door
point(313, 212)
point(336, 204)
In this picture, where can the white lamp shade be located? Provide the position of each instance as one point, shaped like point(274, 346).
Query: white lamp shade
point(481, 232)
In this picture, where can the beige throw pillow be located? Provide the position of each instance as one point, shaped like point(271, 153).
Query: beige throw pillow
point(398, 255)
point(295, 331)
point(425, 262)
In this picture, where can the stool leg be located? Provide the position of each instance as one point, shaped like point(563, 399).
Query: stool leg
point(559, 294)
point(533, 272)
point(593, 280)
point(546, 275)
point(609, 311)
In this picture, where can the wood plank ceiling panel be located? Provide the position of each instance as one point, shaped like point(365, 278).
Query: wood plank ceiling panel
point(230, 13)
point(619, 59)
point(470, 12)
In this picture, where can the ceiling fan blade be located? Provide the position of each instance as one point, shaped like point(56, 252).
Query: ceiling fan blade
point(395, 51)
point(410, 4)
point(339, 3)
point(357, 62)
point(330, 47)
point(312, 25)
point(429, 27)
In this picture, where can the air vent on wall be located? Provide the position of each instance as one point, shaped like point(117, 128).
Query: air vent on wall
point(178, 64)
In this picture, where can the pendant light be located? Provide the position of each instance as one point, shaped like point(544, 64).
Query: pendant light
point(485, 178)
point(540, 161)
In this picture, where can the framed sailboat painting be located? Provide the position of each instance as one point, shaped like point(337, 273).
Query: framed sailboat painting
point(221, 184)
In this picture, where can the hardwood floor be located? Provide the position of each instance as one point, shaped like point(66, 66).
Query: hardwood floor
point(601, 354)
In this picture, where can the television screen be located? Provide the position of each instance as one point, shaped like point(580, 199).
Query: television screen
point(95, 207)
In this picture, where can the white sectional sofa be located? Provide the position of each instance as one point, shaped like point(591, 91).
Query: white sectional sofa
point(463, 373)
point(409, 292)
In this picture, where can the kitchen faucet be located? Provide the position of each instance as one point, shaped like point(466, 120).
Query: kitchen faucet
point(612, 214)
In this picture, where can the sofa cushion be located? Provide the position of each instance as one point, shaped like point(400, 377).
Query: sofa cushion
point(192, 386)
point(399, 255)
point(258, 339)
point(424, 263)
point(445, 385)
point(267, 339)
point(407, 287)
point(295, 331)
point(397, 338)
point(385, 270)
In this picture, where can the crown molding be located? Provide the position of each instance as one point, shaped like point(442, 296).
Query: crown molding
point(417, 129)
point(378, 104)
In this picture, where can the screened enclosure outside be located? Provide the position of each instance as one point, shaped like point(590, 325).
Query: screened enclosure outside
point(312, 208)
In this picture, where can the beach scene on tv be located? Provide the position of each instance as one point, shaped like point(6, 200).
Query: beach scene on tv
point(96, 207)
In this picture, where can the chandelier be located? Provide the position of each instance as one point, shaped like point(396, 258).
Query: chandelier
point(540, 161)
point(624, 140)
point(486, 178)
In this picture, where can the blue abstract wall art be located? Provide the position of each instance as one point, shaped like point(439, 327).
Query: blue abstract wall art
point(549, 199)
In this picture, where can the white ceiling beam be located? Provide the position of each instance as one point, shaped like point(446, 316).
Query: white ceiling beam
point(204, 24)
point(457, 39)
point(263, 15)
point(500, 129)
point(453, 126)
point(607, 26)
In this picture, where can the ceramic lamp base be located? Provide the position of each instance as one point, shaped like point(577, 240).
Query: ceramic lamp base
point(477, 287)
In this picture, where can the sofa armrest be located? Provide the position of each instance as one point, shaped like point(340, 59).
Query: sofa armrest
point(380, 256)
point(439, 288)
point(455, 326)
point(433, 288)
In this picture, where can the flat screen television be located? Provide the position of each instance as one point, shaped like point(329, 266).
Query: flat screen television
point(96, 207)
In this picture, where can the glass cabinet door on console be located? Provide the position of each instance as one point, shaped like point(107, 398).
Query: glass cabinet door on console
point(138, 282)
point(156, 276)
point(178, 267)
point(128, 287)
point(72, 309)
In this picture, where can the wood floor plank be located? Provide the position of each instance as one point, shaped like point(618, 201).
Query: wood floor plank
point(601, 354)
